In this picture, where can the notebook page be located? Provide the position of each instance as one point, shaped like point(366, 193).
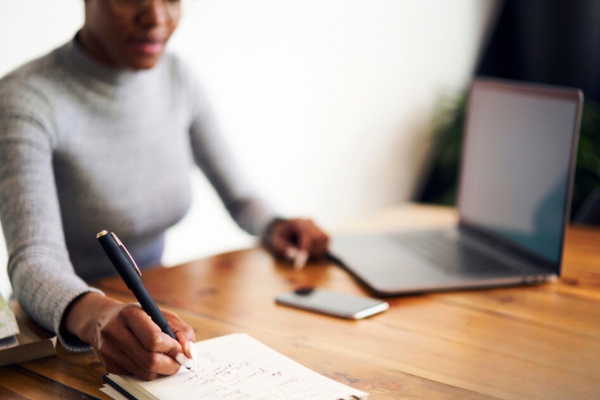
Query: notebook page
point(237, 366)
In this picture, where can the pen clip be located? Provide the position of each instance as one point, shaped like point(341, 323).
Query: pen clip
point(122, 246)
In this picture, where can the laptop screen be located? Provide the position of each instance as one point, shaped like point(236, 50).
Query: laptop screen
point(518, 163)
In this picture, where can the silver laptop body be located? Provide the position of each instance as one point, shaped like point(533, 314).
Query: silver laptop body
point(516, 176)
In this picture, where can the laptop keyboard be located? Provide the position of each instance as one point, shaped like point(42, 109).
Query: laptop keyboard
point(441, 249)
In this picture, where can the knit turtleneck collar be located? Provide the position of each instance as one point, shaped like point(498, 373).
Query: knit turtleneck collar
point(75, 54)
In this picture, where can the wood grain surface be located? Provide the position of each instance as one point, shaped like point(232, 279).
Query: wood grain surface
point(533, 342)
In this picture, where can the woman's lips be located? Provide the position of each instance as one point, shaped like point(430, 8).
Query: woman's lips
point(148, 47)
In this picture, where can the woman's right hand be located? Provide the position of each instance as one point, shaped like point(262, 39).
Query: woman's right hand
point(124, 337)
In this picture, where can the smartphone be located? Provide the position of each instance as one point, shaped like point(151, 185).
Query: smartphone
point(332, 303)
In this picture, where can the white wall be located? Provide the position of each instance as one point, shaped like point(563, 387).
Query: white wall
point(325, 102)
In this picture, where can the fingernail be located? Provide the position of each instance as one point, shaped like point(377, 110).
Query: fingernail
point(291, 252)
point(194, 353)
point(185, 361)
point(300, 260)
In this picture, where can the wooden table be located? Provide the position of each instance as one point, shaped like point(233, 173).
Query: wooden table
point(537, 342)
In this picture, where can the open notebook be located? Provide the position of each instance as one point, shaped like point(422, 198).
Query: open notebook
point(235, 366)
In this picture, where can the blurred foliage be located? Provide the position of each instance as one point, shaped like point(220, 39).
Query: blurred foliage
point(441, 182)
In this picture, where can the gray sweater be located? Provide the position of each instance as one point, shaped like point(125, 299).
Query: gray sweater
point(85, 147)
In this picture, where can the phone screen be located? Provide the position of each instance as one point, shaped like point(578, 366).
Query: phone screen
point(332, 303)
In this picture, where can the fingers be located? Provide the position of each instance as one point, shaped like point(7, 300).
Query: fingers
point(312, 239)
point(185, 334)
point(297, 257)
point(126, 357)
point(131, 342)
point(150, 336)
point(297, 240)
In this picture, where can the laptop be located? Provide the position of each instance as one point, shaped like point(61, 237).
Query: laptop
point(515, 183)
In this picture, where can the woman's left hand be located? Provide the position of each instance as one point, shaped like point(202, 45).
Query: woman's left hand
point(297, 240)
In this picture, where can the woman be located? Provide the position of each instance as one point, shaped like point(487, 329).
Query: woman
point(101, 134)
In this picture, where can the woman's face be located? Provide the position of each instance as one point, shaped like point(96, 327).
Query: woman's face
point(128, 37)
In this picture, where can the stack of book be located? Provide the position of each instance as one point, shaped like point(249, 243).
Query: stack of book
point(8, 326)
point(20, 339)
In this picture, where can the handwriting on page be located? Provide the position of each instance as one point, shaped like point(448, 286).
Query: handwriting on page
point(246, 369)
point(239, 380)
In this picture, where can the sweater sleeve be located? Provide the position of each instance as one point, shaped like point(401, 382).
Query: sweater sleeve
point(43, 279)
point(213, 156)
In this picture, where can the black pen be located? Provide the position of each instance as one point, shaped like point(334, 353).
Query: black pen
point(129, 271)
